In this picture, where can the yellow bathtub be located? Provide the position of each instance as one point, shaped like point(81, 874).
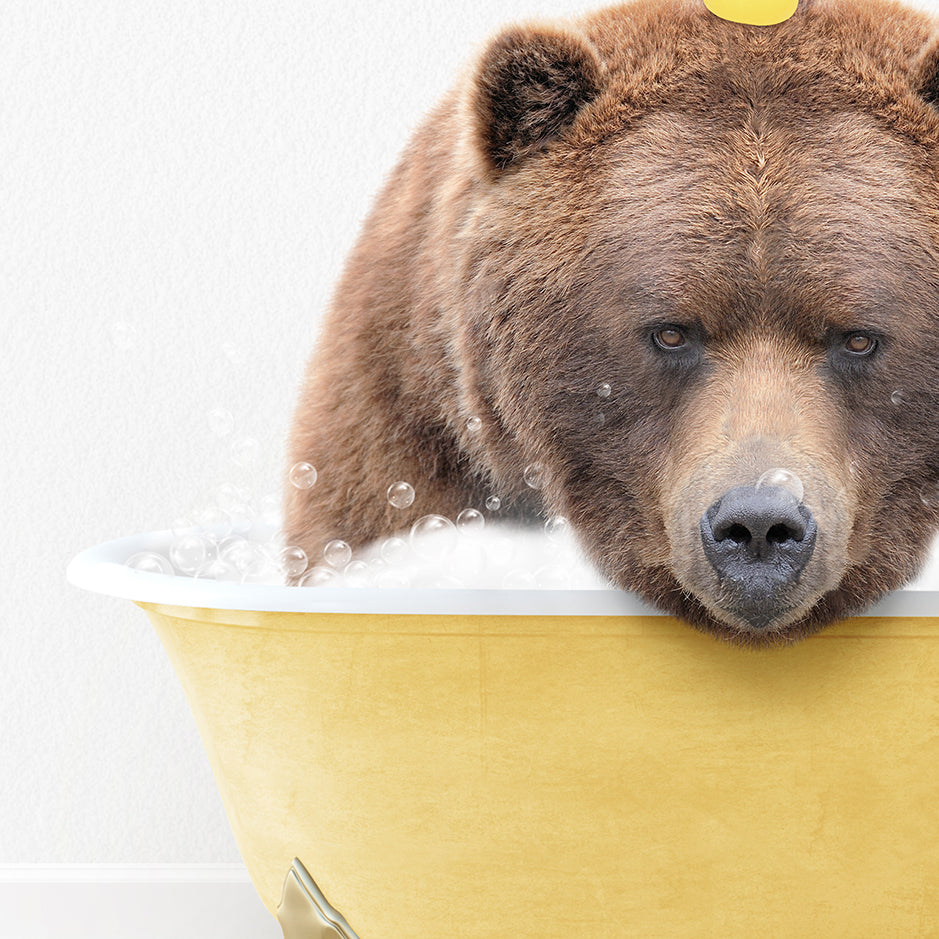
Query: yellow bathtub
point(459, 764)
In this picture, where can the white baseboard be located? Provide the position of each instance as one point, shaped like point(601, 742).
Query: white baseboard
point(131, 901)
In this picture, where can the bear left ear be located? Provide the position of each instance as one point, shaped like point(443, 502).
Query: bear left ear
point(924, 72)
point(529, 85)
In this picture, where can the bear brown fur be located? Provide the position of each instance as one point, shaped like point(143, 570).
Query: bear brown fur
point(732, 226)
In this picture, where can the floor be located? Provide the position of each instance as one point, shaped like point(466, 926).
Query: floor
point(134, 911)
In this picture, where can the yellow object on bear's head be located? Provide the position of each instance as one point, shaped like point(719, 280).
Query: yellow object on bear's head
point(753, 12)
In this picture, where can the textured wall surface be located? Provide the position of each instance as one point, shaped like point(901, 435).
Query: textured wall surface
point(179, 183)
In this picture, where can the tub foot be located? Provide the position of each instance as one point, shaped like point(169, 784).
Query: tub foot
point(304, 913)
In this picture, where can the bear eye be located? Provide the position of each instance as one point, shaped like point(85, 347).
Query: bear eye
point(860, 344)
point(669, 337)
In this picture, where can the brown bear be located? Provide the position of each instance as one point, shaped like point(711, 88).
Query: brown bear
point(658, 254)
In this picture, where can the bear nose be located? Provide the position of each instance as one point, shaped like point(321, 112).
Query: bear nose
point(758, 541)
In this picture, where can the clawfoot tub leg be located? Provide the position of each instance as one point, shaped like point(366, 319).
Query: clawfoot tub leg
point(304, 913)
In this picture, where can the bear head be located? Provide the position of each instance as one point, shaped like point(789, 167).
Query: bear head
point(685, 268)
point(701, 294)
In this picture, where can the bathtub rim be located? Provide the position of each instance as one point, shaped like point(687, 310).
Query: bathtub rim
point(101, 569)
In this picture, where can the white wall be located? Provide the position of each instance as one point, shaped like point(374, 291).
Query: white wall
point(179, 182)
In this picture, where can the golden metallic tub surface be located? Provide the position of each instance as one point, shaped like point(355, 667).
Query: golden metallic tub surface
point(460, 764)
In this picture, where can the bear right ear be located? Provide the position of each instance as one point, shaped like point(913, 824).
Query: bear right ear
point(529, 85)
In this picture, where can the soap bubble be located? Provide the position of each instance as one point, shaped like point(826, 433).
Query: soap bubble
point(930, 497)
point(553, 577)
point(242, 517)
point(180, 525)
point(401, 495)
point(319, 577)
point(470, 520)
point(599, 419)
point(604, 390)
point(474, 424)
point(275, 541)
point(245, 450)
point(221, 421)
point(394, 550)
point(302, 475)
point(269, 509)
point(444, 582)
point(214, 522)
point(470, 560)
point(337, 554)
point(272, 547)
point(150, 562)
point(443, 542)
point(263, 570)
point(898, 399)
point(518, 579)
point(557, 527)
point(189, 552)
point(394, 580)
point(228, 495)
point(534, 475)
point(122, 334)
point(784, 480)
point(238, 552)
point(493, 503)
point(355, 574)
point(217, 569)
point(293, 560)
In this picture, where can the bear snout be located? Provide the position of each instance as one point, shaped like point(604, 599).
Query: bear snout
point(758, 541)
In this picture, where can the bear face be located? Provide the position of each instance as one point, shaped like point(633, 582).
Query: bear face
point(659, 255)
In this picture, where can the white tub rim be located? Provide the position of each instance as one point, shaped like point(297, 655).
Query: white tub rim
point(102, 569)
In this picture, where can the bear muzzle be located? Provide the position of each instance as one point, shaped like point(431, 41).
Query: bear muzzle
point(758, 541)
